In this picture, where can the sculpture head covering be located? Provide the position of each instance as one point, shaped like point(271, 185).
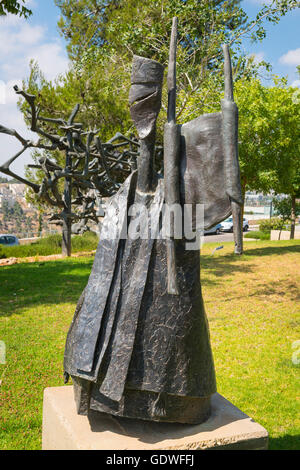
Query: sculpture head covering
point(145, 94)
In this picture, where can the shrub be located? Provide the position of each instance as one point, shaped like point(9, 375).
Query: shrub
point(86, 242)
point(2, 254)
point(259, 235)
point(275, 223)
point(53, 241)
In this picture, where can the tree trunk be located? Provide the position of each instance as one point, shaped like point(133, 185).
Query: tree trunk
point(281, 227)
point(243, 184)
point(40, 228)
point(237, 218)
point(67, 221)
point(293, 217)
point(66, 238)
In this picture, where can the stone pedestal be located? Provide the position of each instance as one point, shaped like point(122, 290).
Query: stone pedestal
point(63, 429)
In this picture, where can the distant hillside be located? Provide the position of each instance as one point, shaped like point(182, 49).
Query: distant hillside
point(9, 181)
point(16, 215)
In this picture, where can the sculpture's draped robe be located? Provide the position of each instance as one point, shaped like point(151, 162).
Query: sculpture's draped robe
point(128, 332)
point(129, 338)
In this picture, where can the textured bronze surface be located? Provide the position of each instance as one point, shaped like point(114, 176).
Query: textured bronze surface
point(133, 348)
point(152, 406)
point(203, 169)
point(130, 334)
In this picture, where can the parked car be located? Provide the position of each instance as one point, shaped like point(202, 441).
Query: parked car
point(227, 225)
point(216, 229)
point(8, 240)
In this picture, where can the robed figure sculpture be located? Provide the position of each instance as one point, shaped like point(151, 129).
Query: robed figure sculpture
point(139, 345)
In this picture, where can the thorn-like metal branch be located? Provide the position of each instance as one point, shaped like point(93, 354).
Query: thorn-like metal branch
point(91, 168)
point(228, 90)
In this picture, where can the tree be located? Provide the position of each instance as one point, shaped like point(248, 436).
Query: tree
point(287, 209)
point(103, 35)
point(288, 182)
point(83, 163)
point(269, 140)
point(269, 149)
point(14, 7)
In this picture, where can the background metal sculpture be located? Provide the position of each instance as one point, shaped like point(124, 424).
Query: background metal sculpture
point(134, 349)
point(91, 169)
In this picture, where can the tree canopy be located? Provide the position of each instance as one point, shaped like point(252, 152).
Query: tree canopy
point(269, 137)
point(103, 35)
point(15, 7)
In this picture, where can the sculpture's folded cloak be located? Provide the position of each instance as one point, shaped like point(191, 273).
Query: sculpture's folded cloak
point(128, 333)
point(132, 348)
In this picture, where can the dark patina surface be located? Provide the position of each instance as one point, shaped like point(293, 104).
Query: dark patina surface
point(134, 349)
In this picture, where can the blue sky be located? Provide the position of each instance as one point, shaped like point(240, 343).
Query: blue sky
point(38, 38)
point(281, 47)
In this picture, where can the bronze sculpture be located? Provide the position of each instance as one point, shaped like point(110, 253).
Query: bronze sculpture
point(92, 169)
point(139, 343)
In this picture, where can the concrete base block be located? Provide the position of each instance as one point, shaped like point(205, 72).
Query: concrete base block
point(64, 429)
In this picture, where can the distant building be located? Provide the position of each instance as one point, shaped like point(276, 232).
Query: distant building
point(259, 205)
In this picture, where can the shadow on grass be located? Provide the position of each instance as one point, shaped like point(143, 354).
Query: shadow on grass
point(55, 282)
point(286, 442)
point(284, 288)
point(230, 263)
point(273, 250)
point(220, 267)
point(52, 282)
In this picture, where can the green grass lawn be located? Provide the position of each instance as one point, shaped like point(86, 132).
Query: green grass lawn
point(252, 303)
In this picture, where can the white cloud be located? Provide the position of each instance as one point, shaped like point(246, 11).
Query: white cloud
point(296, 84)
point(29, 35)
point(50, 59)
point(292, 57)
point(258, 57)
point(12, 118)
point(21, 41)
point(10, 96)
point(31, 3)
